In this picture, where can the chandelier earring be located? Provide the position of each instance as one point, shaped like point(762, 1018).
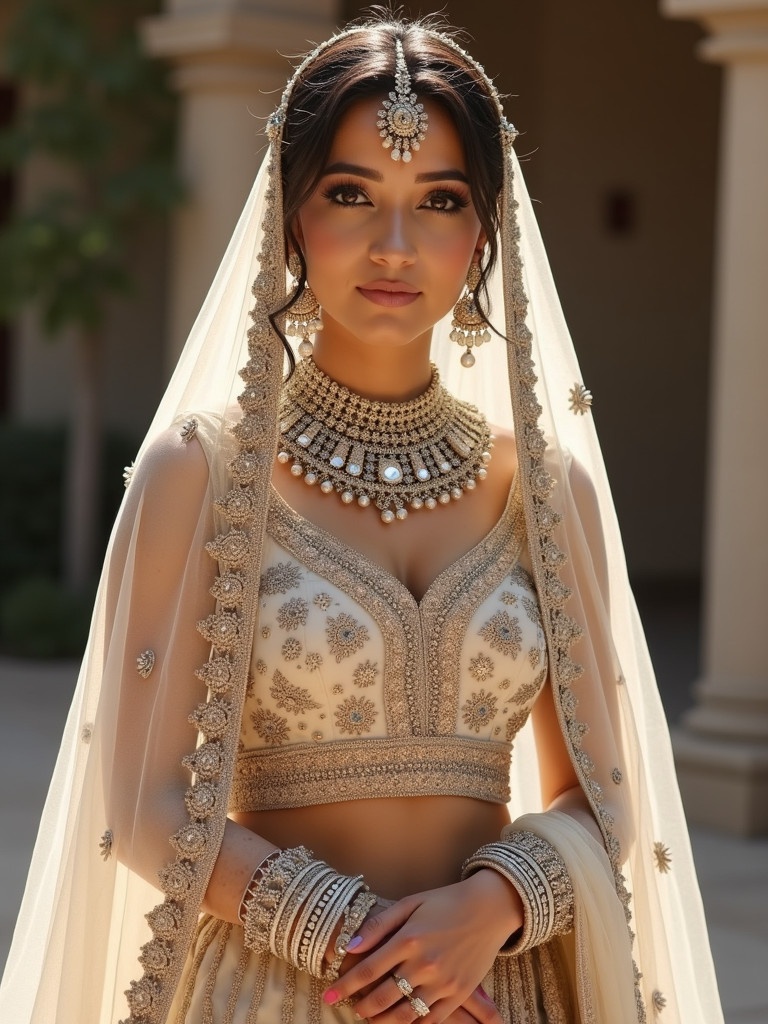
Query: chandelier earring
point(303, 317)
point(469, 328)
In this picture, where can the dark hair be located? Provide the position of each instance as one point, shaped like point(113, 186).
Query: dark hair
point(362, 64)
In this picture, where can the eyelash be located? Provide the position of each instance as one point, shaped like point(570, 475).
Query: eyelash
point(333, 193)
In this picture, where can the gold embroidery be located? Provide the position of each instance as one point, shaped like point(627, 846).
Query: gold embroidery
point(663, 857)
point(659, 1001)
point(481, 667)
point(365, 674)
point(270, 727)
point(306, 774)
point(289, 697)
point(293, 613)
point(355, 715)
point(345, 635)
point(280, 578)
point(503, 633)
point(617, 776)
point(105, 844)
point(508, 597)
point(313, 661)
point(579, 399)
point(261, 667)
point(337, 688)
point(323, 601)
point(515, 723)
point(479, 710)
point(291, 649)
point(145, 663)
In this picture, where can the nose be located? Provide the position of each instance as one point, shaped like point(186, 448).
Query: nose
point(393, 244)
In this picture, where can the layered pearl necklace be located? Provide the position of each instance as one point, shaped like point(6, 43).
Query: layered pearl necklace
point(398, 456)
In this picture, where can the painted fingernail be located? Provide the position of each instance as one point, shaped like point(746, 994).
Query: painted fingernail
point(354, 943)
point(331, 996)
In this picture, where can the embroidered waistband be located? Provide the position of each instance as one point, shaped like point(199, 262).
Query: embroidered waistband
point(306, 774)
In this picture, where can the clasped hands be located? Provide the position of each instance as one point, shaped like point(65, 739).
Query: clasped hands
point(443, 942)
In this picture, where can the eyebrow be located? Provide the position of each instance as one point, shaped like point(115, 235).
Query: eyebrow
point(340, 167)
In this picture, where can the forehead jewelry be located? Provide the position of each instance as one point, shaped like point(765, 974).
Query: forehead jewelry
point(402, 121)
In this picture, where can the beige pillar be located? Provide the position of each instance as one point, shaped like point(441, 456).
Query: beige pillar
point(722, 748)
point(230, 73)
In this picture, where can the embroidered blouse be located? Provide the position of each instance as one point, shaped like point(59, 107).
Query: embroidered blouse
point(359, 690)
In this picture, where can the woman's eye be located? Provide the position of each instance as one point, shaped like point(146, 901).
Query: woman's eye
point(347, 195)
point(445, 202)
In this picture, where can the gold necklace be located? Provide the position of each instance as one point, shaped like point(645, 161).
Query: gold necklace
point(394, 455)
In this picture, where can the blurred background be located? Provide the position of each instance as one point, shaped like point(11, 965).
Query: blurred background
point(129, 136)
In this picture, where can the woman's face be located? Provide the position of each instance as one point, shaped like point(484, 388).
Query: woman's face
point(388, 244)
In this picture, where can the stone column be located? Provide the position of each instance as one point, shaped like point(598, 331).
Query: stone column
point(229, 71)
point(722, 748)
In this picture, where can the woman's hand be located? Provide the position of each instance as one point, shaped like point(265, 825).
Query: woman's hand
point(443, 942)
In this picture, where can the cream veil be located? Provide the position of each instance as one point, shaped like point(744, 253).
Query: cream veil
point(138, 800)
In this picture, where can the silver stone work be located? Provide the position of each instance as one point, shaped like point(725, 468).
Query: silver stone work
point(402, 121)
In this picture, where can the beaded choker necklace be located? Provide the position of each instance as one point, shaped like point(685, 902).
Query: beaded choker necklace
point(395, 455)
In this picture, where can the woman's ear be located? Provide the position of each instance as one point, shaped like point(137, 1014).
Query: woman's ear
point(482, 241)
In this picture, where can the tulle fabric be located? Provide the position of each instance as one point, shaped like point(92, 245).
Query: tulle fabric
point(120, 791)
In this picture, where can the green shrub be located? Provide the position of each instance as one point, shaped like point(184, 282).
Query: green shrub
point(32, 462)
point(40, 618)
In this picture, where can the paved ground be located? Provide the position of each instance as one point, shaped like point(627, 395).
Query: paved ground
point(733, 873)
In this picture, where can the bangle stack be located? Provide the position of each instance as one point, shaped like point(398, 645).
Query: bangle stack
point(292, 905)
point(539, 874)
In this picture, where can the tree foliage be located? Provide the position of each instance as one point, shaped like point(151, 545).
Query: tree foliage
point(97, 106)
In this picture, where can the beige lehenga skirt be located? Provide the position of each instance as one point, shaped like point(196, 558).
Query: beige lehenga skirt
point(223, 982)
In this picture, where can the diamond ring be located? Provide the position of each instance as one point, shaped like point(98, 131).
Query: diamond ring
point(403, 984)
point(419, 1006)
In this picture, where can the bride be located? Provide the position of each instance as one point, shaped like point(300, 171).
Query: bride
point(366, 727)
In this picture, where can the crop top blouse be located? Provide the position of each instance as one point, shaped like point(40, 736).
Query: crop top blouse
point(359, 690)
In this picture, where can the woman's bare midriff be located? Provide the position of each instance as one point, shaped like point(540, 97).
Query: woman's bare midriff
point(401, 846)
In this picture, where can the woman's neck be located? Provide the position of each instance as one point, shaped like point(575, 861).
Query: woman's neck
point(379, 373)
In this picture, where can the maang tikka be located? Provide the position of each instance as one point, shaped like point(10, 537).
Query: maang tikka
point(470, 329)
point(402, 121)
point(303, 317)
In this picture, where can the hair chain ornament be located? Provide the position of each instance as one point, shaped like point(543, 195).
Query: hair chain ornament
point(402, 120)
point(396, 455)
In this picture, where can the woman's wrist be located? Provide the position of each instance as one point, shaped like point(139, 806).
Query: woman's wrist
point(504, 903)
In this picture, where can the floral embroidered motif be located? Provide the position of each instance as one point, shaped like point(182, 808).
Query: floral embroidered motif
point(504, 684)
point(526, 692)
point(87, 732)
point(105, 844)
point(534, 656)
point(128, 472)
point(317, 735)
point(291, 649)
point(289, 697)
point(261, 666)
point(313, 661)
point(617, 776)
point(479, 710)
point(337, 688)
point(355, 715)
point(266, 632)
point(155, 957)
point(663, 857)
point(580, 399)
point(293, 613)
point(164, 920)
point(365, 674)
point(508, 597)
point(515, 723)
point(345, 635)
point(659, 1001)
point(280, 578)
point(176, 879)
point(323, 601)
point(503, 633)
point(145, 663)
point(481, 667)
point(270, 727)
